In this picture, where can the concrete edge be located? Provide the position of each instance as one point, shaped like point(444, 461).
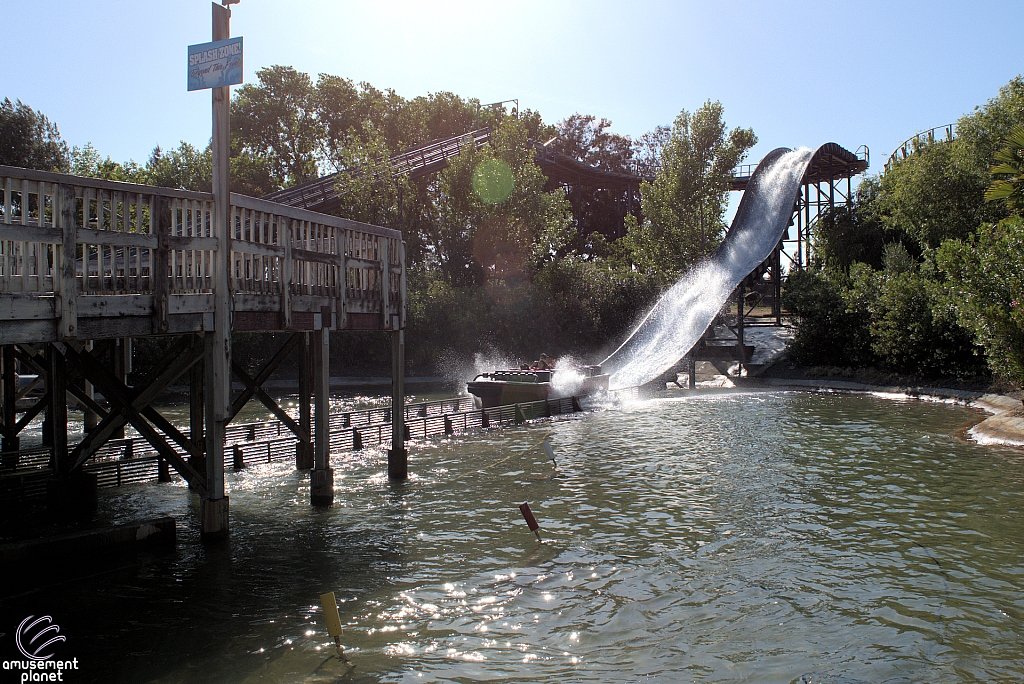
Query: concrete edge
point(158, 531)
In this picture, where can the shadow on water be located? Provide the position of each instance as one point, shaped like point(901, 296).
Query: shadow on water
point(778, 537)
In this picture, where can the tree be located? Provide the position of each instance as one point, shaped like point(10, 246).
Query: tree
point(480, 236)
point(369, 190)
point(986, 291)
point(28, 139)
point(684, 208)
point(932, 195)
point(1008, 172)
point(587, 139)
point(276, 120)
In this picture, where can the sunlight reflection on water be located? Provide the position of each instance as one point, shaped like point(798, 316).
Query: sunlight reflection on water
point(720, 537)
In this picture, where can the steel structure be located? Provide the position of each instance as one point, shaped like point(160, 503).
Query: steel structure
point(826, 184)
point(946, 133)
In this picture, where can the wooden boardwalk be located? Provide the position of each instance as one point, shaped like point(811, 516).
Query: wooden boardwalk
point(88, 259)
point(87, 265)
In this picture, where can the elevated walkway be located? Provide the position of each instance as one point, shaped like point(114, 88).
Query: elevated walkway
point(88, 265)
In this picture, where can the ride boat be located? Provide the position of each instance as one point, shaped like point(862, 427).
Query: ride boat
point(518, 386)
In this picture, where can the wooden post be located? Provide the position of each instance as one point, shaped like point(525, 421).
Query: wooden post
point(57, 410)
point(89, 417)
point(304, 450)
point(122, 350)
point(692, 372)
point(160, 224)
point(11, 441)
point(398, 455)
point(322, 476)
point(218, 341)
point(67, 283)
point(740, 350)
point(197, 415)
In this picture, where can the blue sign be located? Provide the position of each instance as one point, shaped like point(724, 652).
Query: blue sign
point(213, 65)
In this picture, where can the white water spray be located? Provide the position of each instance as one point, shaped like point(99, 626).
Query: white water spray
point(679, 319)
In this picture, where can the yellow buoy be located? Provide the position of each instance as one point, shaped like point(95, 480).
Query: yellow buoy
point(331, 617)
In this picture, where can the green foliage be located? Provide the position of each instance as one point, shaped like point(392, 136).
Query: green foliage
point(370, 191)
point(186, 167)
point(28, 139)
point(684, 208)
point(829, 310)
point(86, 161)
point(572, 306)
point(912, 333)
point(1008, 173)
point(937, 193)
point(982, 132)
point(476, 241)
point(275, 119)
point(846, 235)
point(931, 196)
point(896, 318)
point(986, 291)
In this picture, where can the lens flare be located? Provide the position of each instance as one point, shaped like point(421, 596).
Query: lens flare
point(492, 181)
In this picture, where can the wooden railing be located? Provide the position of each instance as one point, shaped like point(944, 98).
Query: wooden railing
point(73, 247)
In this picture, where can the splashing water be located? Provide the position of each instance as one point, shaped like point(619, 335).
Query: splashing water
point(679, 319)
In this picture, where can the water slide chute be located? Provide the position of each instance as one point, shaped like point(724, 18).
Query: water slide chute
point(679, 319)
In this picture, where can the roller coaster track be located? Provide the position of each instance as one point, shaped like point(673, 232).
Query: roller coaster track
point(924, 137)
point(421, 160)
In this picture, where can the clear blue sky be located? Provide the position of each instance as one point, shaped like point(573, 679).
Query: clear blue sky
point(800, 73)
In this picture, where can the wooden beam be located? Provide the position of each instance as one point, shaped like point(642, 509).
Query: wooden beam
point(269, 402)
point(65, 281)
point(131, 402)
point(57, 410)
point(262, 376)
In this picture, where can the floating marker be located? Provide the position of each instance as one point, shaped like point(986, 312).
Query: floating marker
point(331, 617)
point(524, 508)
point(546, 445)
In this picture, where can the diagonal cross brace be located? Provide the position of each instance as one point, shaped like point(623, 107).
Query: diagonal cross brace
point(251, 385)
point(36, 409)
point(133, 407)
point(269, 402)
point(179, 359)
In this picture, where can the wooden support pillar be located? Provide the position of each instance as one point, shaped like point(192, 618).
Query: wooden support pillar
point(740, 350)
point(57, 410)
point(691, 368)
point(89, 417)
point(304, 448)
point(11, 441)
point(70, 490)
point(197, 415)
point(322, 476)
point(777, 277)
point(122, 368)
point(398, 455)
point(218, 341)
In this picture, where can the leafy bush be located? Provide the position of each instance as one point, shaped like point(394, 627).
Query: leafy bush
point(830, 311)
point(912, 333)
point(986, 291)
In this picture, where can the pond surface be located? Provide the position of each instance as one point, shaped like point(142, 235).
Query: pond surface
point(768, 537)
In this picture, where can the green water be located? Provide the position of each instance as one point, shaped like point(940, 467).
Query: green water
point(763, 537)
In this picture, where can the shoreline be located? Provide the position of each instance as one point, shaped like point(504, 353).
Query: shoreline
point(1004, 427)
